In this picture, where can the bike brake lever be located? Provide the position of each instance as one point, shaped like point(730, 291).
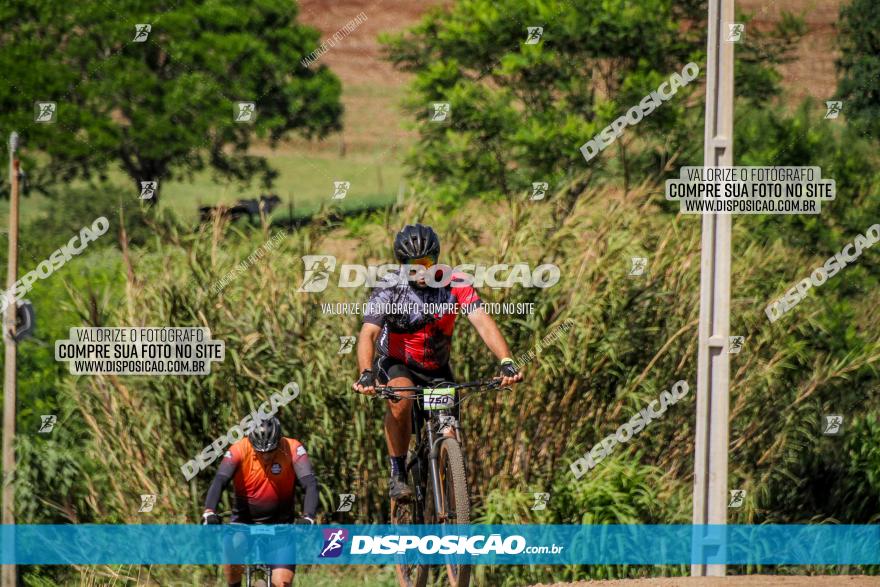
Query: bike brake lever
point(496, 384)
point(390, 396)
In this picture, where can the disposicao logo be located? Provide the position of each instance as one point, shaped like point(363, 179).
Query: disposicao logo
point(473, 545)
point(319, 268)
point(333, 542)
point(317, 273)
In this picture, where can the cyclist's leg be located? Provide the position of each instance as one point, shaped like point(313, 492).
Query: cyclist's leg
point(398, 423)
point(282, 575)
point(279, 549)
point(233, 574)
point(398, 415)
point(398, 419)
point(233, 543)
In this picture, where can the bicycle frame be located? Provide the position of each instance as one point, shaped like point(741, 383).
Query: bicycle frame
point(434, 415)
point(251, 571)
point(434, 421)
point(432, 439)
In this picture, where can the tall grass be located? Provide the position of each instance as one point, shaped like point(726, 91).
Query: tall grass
point(632, 337)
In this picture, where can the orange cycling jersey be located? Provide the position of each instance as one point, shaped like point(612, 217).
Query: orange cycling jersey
point(265, 493)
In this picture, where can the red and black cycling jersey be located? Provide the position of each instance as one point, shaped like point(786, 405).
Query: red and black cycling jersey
point(417, 322)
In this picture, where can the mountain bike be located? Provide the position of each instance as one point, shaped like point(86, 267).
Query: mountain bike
point(435, 468)
point(253, 572)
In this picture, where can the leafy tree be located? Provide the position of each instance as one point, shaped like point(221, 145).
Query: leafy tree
point(780, 136)
point(755, 81)
point(520, 111)
point(161, 107)
point(859, 64)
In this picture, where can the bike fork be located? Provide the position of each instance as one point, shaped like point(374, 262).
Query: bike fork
point(435, 478)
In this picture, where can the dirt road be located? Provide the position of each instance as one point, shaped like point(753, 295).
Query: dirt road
point(734, 581)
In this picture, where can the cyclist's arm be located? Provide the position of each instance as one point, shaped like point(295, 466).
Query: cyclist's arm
point(309, 485)
point(224, 474)
point(489, 332)
point(367, 345)
point(374, 319)
point(305, 476)
point(310, 501)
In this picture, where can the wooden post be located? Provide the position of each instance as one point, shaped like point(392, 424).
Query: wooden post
point(9, 571)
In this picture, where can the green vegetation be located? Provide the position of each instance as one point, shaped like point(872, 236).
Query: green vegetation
point(320, 576)
point(632, 338)
point(304, 179)
point(161, 107)
point(859, 43)
point(520, 112)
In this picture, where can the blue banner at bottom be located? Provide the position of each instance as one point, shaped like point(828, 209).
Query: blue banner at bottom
point(459, 544)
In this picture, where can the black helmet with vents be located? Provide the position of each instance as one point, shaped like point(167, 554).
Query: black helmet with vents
point(266, 435)
point(416, 241)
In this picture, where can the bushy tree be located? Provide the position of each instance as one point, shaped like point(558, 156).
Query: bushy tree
point(158, 103)
point(859, 64)
point(520, 107)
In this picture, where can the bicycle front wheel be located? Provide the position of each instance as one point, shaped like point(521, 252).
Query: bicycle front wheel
point(455, 500)
point(409, 512)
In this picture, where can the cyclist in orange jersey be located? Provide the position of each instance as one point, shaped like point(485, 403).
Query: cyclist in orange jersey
point(264, 468)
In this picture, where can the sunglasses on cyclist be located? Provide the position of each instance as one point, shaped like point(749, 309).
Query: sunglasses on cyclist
point(424, 261)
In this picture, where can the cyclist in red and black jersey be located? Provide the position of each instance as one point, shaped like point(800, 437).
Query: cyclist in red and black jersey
point(413, 345)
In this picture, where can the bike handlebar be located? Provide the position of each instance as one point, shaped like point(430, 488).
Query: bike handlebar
point(392, 393)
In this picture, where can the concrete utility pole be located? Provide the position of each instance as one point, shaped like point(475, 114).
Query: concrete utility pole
point(713, 364)
point(9, 571)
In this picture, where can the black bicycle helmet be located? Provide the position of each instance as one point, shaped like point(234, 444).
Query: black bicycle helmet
point(416, 241)
point(266, 435)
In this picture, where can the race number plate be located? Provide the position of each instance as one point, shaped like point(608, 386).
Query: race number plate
point(266, 530)
point(440, 398)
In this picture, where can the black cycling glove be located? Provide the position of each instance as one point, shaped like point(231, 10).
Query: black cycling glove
point(367, 379)
point(508, 368)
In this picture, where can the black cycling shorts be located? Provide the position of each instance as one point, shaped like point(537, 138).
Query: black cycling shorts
point(387, 368)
